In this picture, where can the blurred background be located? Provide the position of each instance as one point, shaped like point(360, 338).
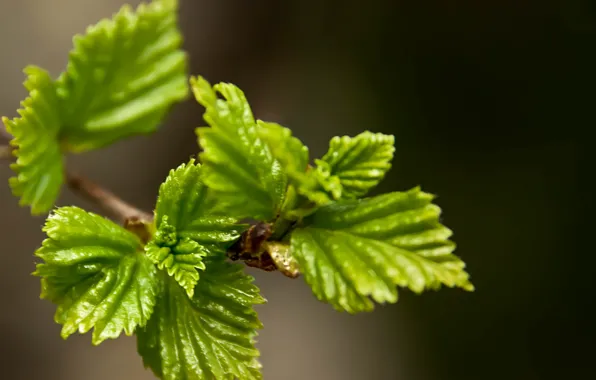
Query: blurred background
point(488, 100)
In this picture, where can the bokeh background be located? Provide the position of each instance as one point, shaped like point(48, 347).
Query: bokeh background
point(492, 104)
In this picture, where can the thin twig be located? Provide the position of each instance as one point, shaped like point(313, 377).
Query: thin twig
point(5, 152)
point(89, 190)
point(4, 133)
point(113, 205)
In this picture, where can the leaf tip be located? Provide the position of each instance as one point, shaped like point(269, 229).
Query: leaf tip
point(202, 90)
point(468, 287)
point(190, 290)
point(66, 331)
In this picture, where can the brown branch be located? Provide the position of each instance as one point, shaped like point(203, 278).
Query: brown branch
point(4, 134)
point(89, 190)
point(5, 152)
point(113, 205)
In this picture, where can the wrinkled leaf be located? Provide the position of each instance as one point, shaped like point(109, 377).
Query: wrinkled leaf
point(96, 274)
point(210, 336)
point(356, 250)
point(123, 76)
point(38, 168)
point(237, 163)
point(186, 230)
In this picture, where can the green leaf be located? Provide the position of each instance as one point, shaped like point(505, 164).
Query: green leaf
point(186, 230)
point(287, 149)
point(355, 250)
point(189, 206)
point(238, 164)
point(179, 257)
point(94, 270)
point(39, 165)
point(209, 336)
point(123, 76)
point(318, 184)
point(351, 167)
point(359, 162)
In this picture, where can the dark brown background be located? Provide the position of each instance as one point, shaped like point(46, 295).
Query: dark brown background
point(488, 101)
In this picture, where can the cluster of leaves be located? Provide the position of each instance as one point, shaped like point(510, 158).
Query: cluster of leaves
point(190, 308)
point(350, 250)
point(122, 77)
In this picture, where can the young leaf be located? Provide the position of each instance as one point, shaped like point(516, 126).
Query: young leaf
point(179, 257)
point(209, 336)
point(39, 165)
point(351, 167)
point(186, 230)
point(238, 164)
point(123, 76)
point(189, 206)
point(94, 270)
point(360, 162)
point(318, 184)
point(287, 149)
point(355, 249)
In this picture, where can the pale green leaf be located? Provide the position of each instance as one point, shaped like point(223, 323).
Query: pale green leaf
point(189, 206)
point(287, 149)
point(353, 251)
point(209, 336)
point(186, 229)
point(180, 257)
point(96, 273)
point(292, 154)
point(359, 162)
point(238, 164)
point(123, 76)
point(38, 168)
point(318, 184)
point(351, 167)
